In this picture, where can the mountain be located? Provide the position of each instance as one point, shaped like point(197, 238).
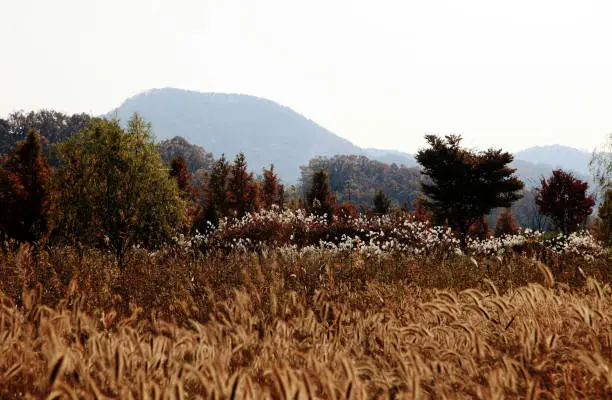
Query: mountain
point(557, 156)
point(230, 123)
point(268, 132)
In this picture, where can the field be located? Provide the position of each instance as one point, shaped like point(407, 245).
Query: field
point(278, 305)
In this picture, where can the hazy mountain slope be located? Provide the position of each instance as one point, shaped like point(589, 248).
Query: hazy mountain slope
point(271, 133)
point(557, 156)
point(230, 123)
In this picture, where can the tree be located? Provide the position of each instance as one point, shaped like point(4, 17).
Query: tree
point(319, 199)
point(462, 186)
point(605, 214)
point(195, 156)
point(349, 186)
point(357, 178)
point(382, 203)
point(479, 229)
point(216, 204)
point(242, 190)
point(179, 170)
point(114, 189)
point(601, 167)
point(347, 211)
point(53, 127)
point(5, 141)
point(272, 191)
point(420, 212)
point(506, 224)
point(25, 188)
point(563, 198)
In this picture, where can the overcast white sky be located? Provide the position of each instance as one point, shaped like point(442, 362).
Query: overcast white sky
point(508, 74)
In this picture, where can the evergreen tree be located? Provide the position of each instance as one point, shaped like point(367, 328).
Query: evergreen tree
point(216, 203)
point(382, 203)
point(564, 198)
point(319, 199)
point(462, 186)
point(242, 190)
point(25, 192)
point(271, 190)
point(113, 188)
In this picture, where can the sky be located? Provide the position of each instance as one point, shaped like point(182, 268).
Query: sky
point(504, 74)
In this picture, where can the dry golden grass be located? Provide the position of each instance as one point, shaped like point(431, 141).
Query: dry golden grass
point(270, 338)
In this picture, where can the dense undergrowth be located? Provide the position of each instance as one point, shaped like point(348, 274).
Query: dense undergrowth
point(280, 305)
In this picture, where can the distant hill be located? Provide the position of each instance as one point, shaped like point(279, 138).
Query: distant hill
point(230, 123)
point(557, 156)
point(268, 132)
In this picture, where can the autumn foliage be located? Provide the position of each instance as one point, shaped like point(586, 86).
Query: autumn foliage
point(506, 224)
point(272, 191)
point(564, 198)
point(25, 189)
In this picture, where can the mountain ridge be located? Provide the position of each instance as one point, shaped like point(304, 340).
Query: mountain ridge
point(269, 132)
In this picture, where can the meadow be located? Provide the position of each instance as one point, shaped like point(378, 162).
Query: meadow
point(283, 305)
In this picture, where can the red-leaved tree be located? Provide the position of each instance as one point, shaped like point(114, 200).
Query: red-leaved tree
point(479, 229)
point(420, 212)
point(243, 191)
point(271, 189)
point(25, 205)
point(564, 198)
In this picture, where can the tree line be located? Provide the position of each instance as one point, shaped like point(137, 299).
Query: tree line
point(110, 187)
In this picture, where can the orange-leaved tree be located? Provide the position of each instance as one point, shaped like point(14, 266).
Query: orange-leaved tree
point(506, 224)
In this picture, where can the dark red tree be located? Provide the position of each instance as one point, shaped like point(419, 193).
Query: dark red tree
point(271, 189)
point(180, 172)
point(563, 198)
point(25, 205)
point(243, 191)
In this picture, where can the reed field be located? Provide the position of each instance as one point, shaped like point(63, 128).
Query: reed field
point(279, 305)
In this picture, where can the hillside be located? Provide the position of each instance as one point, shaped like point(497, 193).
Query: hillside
point(557, 156)
point(357, 178)
point(230, 123)
point(268, 132)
